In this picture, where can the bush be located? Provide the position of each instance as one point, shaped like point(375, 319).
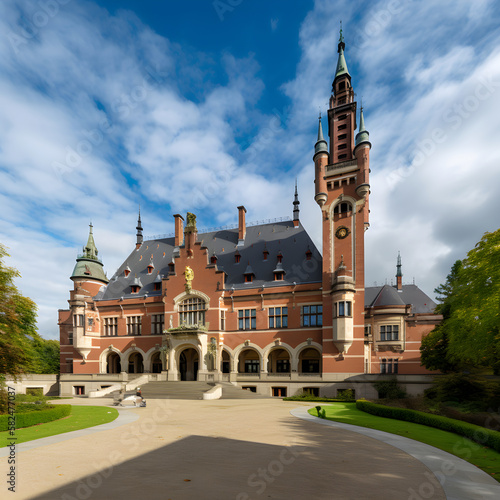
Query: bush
point(476, 433)
point(461, 389)
point(345, 394)
point(28, 419)
point(389, 389)
point(308, 397)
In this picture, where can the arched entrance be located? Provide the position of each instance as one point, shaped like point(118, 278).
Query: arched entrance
point(278, 361)
point(156, 364)
point(249, 361)
point(310, 361)
point(113, 364)
point(135, 363)
point(188, 364)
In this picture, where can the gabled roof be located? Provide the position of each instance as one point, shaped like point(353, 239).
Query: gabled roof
point(380, 296)
point(292, 242)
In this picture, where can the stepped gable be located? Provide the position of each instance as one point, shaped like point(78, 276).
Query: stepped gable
point(293, 243)
point(379, 296)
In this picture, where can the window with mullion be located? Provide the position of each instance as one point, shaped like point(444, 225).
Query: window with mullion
point(389, 332)
point(312, 315)
point(157, 324)
point(247, 319)
point(278, 317)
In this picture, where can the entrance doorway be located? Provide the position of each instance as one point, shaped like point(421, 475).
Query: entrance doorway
point(188, 364)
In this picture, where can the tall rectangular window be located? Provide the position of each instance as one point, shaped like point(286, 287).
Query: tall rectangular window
point(111, 327)
point(78, 320)
point(312, 315)
point(222, 319)
point(278, 317)
point(246, 319)
point(157, 324)
point(134, 325)
point(389, 332)
point(344, 308)
point(70, 338)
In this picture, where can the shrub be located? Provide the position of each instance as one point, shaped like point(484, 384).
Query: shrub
point(36, 417)
point(345, 394)
point(389, 389)
point(476, 433)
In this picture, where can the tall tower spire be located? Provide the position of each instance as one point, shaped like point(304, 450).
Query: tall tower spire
point(296, 204)
point(139, 231)
point(399, 274)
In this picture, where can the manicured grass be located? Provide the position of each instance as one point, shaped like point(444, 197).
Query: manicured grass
point(485, 458)
point(81, 417)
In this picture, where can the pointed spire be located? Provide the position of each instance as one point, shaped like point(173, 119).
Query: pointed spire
point(398, 266)
point(296, 204)
point(363, 135)
point(139, 230)
point(321, 145)
point(90, 250)
point(341, 64)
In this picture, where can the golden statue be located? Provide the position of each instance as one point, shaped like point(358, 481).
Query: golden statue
point(189, 274)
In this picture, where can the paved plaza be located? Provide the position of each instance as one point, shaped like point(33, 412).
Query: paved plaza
point(240, 450)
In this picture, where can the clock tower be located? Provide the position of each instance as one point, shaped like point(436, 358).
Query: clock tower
point(342, 190)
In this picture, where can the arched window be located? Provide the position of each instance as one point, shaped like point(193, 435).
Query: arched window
point(192, 312)
point(342, 208)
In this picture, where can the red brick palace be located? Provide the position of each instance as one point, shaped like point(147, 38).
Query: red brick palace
point(257, 305)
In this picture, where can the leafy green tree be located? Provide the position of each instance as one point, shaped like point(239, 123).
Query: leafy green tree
point(434, 352)
point(46, 356)
point(17, 324)
point(473, 326)
point(470, 332)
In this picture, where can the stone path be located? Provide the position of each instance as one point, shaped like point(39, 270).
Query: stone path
point(224, 449)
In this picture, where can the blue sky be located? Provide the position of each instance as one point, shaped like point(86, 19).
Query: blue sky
point(204, 106)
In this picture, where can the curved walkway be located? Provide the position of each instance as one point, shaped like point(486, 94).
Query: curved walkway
point(224, 449)
point(459, 479)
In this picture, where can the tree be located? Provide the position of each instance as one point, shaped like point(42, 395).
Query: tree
point(46, 356)
point(470, 332)
point(434, 353)
point(17, 323)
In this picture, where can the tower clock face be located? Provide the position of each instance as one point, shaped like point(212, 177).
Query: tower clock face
point(342, 232)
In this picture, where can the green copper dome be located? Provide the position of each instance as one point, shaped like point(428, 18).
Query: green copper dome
point(88, 265)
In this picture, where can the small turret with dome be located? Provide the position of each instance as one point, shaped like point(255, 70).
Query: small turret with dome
point(88, 265)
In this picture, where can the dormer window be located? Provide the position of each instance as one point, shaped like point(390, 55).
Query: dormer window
point(150, 269)
point(126, 272)
point(171, 268)
point(308, 254)
point(279, 276)
point(265, 254)
point(280, 258)
point(157, 286)
point(248, 278)
point(135, 289)
point(249, 274)
point(213, 259)
point(237, 258)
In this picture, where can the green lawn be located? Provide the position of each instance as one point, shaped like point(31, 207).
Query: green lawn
point(81, 417)
point(480, 456)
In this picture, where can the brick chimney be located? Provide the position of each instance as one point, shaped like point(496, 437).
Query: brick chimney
point(179, 230)
point(242, 229)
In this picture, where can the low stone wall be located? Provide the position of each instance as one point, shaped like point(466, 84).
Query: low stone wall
point(213, 393)
point(49, 384)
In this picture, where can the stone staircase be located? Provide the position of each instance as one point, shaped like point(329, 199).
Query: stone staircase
point(192, 390)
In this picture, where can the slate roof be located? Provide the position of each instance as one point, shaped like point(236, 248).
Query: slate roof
point(389, 296)
point(293, 243)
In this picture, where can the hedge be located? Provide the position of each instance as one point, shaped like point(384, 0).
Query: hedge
point(36, 417)
point(481, 435)
point(317, 399)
